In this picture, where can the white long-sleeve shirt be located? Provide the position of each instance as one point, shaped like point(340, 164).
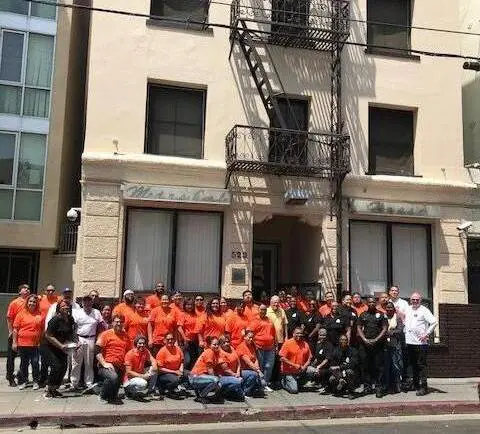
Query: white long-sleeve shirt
point(418, 322)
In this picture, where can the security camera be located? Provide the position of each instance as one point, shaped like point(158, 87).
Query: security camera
point(464, 225)
point(72, 214)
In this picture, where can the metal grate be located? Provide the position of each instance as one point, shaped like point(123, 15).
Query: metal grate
point(68, 238)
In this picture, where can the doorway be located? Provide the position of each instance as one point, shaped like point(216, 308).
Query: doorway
point(264, 269)
point(473, 261)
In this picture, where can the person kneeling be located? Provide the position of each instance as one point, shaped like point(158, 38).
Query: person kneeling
point(343, 377)
point(229, 371)
point(253, 380)
point(170, 361)
point(295, 358)
point(139, 380)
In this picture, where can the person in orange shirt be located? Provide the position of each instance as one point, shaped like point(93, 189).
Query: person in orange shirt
point(203, 378)
point(253, 380)
point(162, 320)
point(303, 303)
point(326, 308)
point(154, 300)
point(236, 325)
point(295, 358)
point(282, 295)
point(358, 304)
point(177, 303)
point(250, 308)
point(170, 368)
point(188, 326)
point(113, 345)
point(229, 371)
point(136, 323)
point(47, 299)
point(127, 306)
point(13, 309)
point(27, 331)
point(224, 309)
point(139, 381)
point(200, 305)
point(265, 340)
point(213, 323)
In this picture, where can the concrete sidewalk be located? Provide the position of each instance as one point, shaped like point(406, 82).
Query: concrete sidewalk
point(19, 408)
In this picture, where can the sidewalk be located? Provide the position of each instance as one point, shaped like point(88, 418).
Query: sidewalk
point(19, 408)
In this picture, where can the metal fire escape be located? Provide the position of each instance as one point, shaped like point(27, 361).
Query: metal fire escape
point(320, 25)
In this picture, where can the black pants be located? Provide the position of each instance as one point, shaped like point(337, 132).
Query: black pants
point(191, 351)
point(29, 356)
point(57, 361)
point(372, 362)
point(168, 382)
point(11, 361)
point(417, 356)
point(112, 378)
point(348, 375)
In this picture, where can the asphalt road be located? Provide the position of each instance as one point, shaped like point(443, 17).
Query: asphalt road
point(449, 424)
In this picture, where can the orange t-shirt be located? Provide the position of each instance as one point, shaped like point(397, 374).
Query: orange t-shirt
point(163, 322)
point(302, 304)
point(123, 309)
point(264, 333)
point(136, 360)
point(15, 307)
point(249, 351)
point(170, 358)
point(231, 359)
point(45, 303)
point(29, 328)
point(151, 302)
point(206, 359)
point(325, 310)
point(235, 325)
point(114, 346)
point(136, 324)
point(190, 325)
point(295, 352)
point(227, 314)
point(251, 312)
point(360, 308)
point(212, 325)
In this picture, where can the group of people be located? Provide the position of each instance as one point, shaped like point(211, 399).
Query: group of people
point(173, 346)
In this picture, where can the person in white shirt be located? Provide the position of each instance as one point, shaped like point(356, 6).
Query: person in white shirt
point(400, 304)
point(419, 324)
point(67, 294)
point(87, 321)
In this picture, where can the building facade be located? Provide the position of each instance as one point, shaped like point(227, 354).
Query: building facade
point(43, 53)
point(299, 147)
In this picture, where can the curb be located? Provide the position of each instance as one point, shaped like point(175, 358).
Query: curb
point(238, 414)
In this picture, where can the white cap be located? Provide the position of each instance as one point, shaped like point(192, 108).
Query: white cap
point(128, 291)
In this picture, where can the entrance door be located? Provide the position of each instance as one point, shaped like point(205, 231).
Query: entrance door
point(473, 259)
point(264, 269)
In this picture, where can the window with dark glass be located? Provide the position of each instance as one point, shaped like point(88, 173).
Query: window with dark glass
point(193, 10)
point(391, 141)
point(17, 267)
point(175, 124)
point(289, 17)
point(394, 31)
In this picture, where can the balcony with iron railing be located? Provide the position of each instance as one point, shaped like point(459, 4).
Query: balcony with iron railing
point(68, 238)
point(279, 151)
point(310, 24)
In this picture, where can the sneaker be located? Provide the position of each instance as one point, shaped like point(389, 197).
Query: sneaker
point(352, 395)
point(48, 394)
point(56, 394)
point(12, 382)
point(422, 391)
point(268, 389)
point(36, 386)
point(90, 389)
point(379, 393)
point(22, 386)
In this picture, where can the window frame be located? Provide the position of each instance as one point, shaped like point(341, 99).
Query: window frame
point(13, 187)
point(372, 166)
point(151, 85)
point(173, 253)
point(22, 84)
point(29, 13)
point(183, 24)
point(388, 240)
point(34, 256)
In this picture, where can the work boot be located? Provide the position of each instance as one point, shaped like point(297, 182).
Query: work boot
point(422, 391)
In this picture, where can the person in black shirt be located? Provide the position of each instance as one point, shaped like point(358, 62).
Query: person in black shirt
point(60, 332)
point(313, 322)
point(372, 328)
point(321, 357)
point(350, 314)
point(343, 368)
point(336, 324)
point(393, 353)
point(296, 318)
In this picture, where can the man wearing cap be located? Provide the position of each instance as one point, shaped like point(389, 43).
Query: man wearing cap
point(67, 294)
point(127, 307)
point(154, 300)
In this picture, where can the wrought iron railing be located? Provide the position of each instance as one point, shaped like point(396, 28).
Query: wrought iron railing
point(310, 24)
point(287, 152)
point(68, 238)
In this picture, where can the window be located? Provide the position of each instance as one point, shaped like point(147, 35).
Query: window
point(386, 254)
point(396, 12)
point(194, 10)
point(26, 8)
point(180, 248)
point(17, 267)
point(22, 168)
point(25, 73)
point(391, 141)
point(289, 17)
point(473, 261)
point(175, 123)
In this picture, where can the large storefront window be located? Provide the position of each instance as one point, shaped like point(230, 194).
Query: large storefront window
point(180, 248)
point(385, 254)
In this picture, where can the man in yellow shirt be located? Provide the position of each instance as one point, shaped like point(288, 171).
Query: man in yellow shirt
point(279, 320)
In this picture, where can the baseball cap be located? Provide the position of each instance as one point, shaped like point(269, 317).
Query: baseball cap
point(128, 291)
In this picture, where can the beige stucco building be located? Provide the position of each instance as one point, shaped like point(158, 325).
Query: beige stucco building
point(158, 202)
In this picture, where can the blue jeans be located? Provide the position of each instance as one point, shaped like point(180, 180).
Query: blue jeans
point(204, 384)
point(232, 387)
point(111, 382)
point(252, 382)
point(266, 360)
point(291, 382)
point(393, 366)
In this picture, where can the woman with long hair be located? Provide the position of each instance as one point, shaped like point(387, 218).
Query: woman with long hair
point(188, 326)
point(213, 323)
